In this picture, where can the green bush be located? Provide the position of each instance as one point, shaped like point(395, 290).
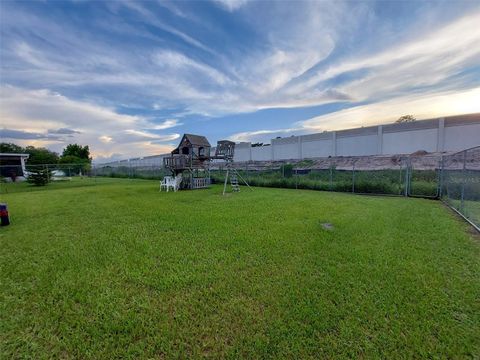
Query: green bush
point(423, 188)
point(39, 177)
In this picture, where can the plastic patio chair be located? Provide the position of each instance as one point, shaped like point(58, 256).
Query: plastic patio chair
point(165, 182)
point(176, 182)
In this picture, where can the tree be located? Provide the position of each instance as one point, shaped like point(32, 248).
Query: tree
point(39, 177)
point(78, 155)
point(11, 148)
point(41, 156)
point(405, 119)
point(37, 155)
point(82, 152)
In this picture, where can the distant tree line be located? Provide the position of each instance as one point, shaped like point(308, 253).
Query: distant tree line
point(72, 154)
point(405, 119)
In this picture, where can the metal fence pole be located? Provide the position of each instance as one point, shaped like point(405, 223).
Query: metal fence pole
point(406, 178)
point(462, 199)
point(48, 174)
point(400, 180)
point(353, 177)
point(440, 177)
point(330, 185)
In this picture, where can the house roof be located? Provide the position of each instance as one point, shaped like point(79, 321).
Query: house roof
point(15, 155)
point(197, 140)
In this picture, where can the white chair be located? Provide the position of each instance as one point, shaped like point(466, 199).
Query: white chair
point(165, 182)
point(171, 182)
point(176, 182)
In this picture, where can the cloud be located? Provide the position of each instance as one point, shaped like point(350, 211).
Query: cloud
point(25, 135)
point(63, 131)
point(424, 61)
point(136, 135)
point(151, 18)
point(105, 139)
point(296, 63)
point(232, 5)
point(211, 86)
point(179, 62)
point(28, 114)
point(167, 124)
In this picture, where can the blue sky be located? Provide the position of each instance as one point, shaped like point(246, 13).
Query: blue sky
point(128, 78)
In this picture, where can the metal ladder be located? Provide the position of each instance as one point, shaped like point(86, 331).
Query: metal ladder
point(234, 183)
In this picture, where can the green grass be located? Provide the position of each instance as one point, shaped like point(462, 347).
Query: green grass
point(115, 269)
point(77, 181)
point(470, 209)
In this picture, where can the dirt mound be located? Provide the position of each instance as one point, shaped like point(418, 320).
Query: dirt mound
point(419, 153)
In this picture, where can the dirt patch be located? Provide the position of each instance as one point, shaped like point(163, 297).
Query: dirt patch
point(328, 226)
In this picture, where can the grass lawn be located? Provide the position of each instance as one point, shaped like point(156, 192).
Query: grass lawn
point(471, 209)
point(118, 270)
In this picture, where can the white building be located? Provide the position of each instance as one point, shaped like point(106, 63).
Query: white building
point(13, 165)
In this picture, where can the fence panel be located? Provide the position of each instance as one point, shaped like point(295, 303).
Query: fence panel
point(424, 174)
point(460, 179)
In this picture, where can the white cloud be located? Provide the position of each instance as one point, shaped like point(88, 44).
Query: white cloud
point(167, 124)
point(151, 18)
point(247, 83)
point(232, 5)
point(179, 62)
point(37, 111)
point(425, 60)
point(284, 71)
point(105, 139)
point(145, 135)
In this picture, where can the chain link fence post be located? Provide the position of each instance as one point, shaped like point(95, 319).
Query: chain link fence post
point(48, 173)
point(406, 177)
point(296, 178)
point(353, 177)
point(441, 177)
point(330, 185)
point(462, 198)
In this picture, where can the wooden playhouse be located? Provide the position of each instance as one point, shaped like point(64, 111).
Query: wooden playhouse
point(191, 158)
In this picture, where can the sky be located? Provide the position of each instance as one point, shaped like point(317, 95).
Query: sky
point(128, 78)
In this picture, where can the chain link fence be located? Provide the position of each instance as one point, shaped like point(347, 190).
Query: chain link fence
point(15, 178)
point(387, 175)
point(57, 172)
point(152, 172)
point(460, 183)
